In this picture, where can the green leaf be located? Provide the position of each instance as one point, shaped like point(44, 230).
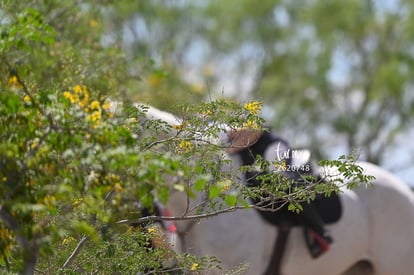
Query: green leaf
point(200, 183)
point(230, 200)
point(83, 227)
point(215, 191)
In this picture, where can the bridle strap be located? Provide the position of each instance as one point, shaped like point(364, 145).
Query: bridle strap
point(274, 267)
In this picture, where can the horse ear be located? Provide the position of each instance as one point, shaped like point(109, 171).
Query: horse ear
point(242, 139)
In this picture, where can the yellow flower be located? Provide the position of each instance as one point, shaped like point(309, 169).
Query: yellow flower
point(72, 98)
point(106, 105)
point(67, 240)
point(12, 80)
point(94, 105)
point(250, 124)
point(4, 179)
point(280, 166)
point(93, 23)
point(253, 107)
point(151, 230)
point(67, 94)
point(85, 99)
point(226, 187)
point(95, 116)
point(180, 126)
point(34, 144)
point(115, 177)
point(129, 231)
point(185, 146)
point(77, 89)
point(26, 99)
point(49, 201)
point(118, 187)
point(76, 202)
point(208, 112)
point(194, 266)
point(81, 95)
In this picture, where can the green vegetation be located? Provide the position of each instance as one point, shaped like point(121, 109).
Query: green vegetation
point(72, 169)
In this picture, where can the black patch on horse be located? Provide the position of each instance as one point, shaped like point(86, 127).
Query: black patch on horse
point(329, 208)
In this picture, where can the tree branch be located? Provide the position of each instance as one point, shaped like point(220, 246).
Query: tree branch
point(30, 248)
point(75, 252)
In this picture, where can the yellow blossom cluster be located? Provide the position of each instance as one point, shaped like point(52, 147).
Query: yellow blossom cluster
point(79, 95)
point(34, 144)
point(207, 112)
point(93, 23)
point(185, 146)
point(281, 166)
point(49, 201)
point(179, 127)
point(68, 240)
point(225, 185)
point(76, 202)
point(250, 124)
point(112, 177)
point(115, 180)
point(14, 82)
point(95, 117)
point(194, 266)
point(253, 107)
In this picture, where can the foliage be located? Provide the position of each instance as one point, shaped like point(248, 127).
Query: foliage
point(69, 165)
point(75, 172)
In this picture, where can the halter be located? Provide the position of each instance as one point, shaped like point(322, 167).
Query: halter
point(171, 229)
point(175, 231)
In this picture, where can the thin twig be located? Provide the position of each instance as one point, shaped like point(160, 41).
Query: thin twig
point(182, 218)
point(75, 252)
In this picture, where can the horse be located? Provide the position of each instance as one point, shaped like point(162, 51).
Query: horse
point(373, 235)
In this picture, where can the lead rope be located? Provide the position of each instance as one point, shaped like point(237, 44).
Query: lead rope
point(274, 267)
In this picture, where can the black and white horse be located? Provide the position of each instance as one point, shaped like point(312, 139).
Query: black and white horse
point(374, 233)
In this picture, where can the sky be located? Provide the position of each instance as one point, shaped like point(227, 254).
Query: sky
point(397, 159)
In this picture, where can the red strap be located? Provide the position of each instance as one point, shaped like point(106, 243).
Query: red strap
point(320, 240)
point(171, 226)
